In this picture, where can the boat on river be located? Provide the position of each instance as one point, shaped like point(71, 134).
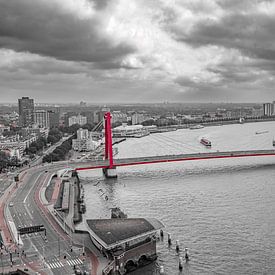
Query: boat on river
point(194, 127)
point(205, 142)
point(261, 132)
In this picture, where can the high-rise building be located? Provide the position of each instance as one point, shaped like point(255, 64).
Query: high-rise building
point(41, 118)
point(99, 115)
point(26, 111)
point(54, 116)
point(268, 109)
point(84, 141)
point(79, 119)
point(82, 134)
point(137, 118)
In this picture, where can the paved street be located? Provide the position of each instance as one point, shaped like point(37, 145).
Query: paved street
point(50, 254)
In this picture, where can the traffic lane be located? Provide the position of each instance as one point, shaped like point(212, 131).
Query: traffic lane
point(64, 247)
point(22, 216)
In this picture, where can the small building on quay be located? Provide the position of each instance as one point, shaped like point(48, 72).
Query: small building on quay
point(129, 243)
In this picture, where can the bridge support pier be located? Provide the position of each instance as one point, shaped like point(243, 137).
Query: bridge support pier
point(110, 173)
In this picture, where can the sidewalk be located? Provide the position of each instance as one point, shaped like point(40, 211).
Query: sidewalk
point(96, 258)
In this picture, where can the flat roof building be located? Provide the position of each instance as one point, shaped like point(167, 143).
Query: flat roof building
point(41, 118)
point(128, 242)
point(125, 130)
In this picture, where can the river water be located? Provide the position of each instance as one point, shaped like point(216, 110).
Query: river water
point(222, 210)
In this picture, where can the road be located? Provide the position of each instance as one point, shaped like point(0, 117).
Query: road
point(52, 254)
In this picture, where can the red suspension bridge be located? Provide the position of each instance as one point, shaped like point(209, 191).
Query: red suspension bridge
point(109, 164)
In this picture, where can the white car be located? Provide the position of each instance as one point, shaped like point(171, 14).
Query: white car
point(11, 204)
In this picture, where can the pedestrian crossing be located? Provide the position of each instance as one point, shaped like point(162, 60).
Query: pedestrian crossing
point(74, 262)
point(59, 264)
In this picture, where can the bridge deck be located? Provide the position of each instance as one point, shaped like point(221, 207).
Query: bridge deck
point(173, 158)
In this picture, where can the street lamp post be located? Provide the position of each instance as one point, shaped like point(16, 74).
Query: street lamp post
point(58, 247)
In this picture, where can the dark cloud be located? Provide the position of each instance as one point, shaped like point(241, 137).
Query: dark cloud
point(252, 34)
point(237, 5)
point(45, 66)
point(192, 84)
point(228, 89)
point(47, 29)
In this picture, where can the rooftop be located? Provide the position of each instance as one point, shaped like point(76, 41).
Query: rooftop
point(128, 127)
point(112, 232)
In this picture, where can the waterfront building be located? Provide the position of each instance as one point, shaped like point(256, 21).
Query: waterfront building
point(26, 111)
point(130, 131)
point(79, 119)
point(41, 119)
point(128, 243)
point(268, 109)
point(84, 141)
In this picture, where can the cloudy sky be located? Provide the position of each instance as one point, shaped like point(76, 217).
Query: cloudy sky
point(137, 50)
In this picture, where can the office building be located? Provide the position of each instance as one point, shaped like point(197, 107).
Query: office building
point(84, 141)
point(54, 117)
point(26, 111)
point(41, 119)
point(79, 119)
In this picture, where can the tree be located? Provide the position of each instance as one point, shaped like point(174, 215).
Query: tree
point(32, 149)
point(54, 136)
point(3, 161)
point(52, 139)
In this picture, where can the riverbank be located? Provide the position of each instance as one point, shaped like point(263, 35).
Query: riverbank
point(216, 122)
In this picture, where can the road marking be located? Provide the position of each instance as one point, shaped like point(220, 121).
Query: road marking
point(69, 262)
point(24, 201)
point(79, 261)
point(51, 265)
point(55, 265)
point(74, 262)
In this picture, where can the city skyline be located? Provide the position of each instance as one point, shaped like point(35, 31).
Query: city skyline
point(137, 51)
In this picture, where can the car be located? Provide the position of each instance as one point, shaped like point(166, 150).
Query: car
point(11, 204)
point(77, 271)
